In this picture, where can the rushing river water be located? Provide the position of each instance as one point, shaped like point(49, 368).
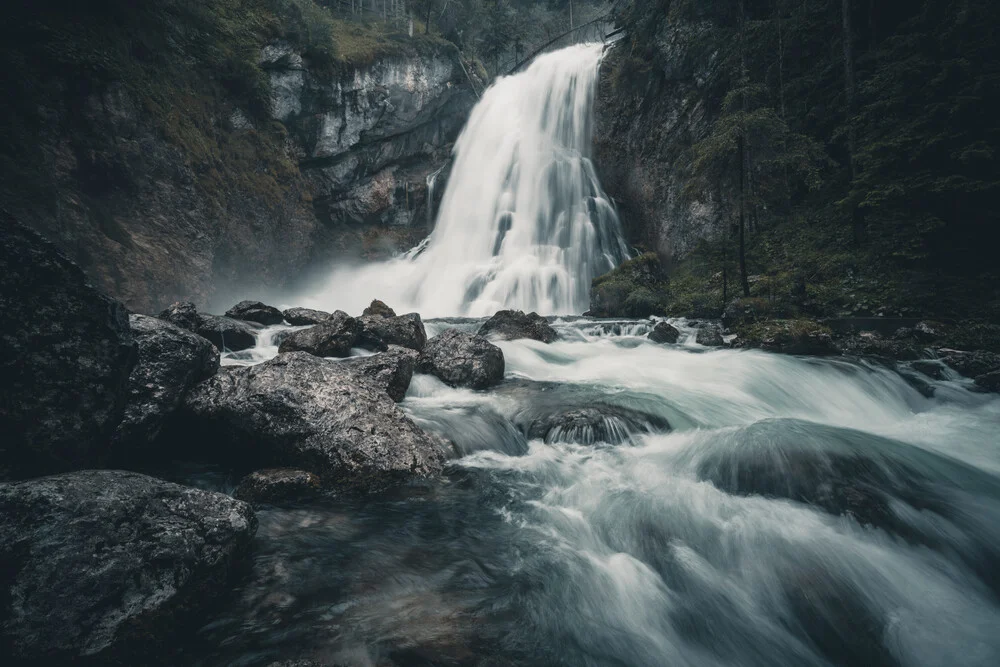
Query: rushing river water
point(715, 507)
point(615, 502)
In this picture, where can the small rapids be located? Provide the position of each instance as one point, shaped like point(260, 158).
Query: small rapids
point(621, 503)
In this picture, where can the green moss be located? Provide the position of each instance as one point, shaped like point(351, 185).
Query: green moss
point(636, 288)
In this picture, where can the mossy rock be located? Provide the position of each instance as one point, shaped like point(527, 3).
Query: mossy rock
point(637, 288)
point(796, 336)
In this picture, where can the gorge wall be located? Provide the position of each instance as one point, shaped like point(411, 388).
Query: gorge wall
point(190, 151)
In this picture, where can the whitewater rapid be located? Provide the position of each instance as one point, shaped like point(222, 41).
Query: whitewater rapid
point(523, 222)
point(732, 508)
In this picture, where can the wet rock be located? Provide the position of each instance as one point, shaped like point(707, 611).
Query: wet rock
point(277, 485)
point(66, 352)
point(392, 370)
point(377, 331)
point(255, 311)
point(971, 364)
point(637, 288)
point(710, 336)
point(332, 338)
point(590, 425)
point(224, 332)
point(171, 361)
point(929, 367)
point(514, 324)
point(461, 359)
point(379, 309)
point(787, 337)
point(299, 410)
point(106, 565)
point(989, 381)
point(926, 332)
point(873, 345)
point(664, 332)
point(298, 317)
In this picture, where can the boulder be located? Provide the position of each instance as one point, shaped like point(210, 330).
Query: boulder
point(277, 485)
point(66, 352)
point(929, 367)
point(302, 411)
point(462, 359)
point(594, 424)
point(332, 338)
point(304, 316)
point(171, 361)
point(637, 288)
point(379, 309)
point(377, 331)
point(103, 566)
point(664, 332)
point(871, 344)
point(989, 381)
point(971, 364)
point(255, 311)
point(709, 336)
point(514, 324)
point(391, 370)
point(224, 332)
point(787, 337)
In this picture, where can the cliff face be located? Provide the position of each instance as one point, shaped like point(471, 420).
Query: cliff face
point(215, 165)
point(366, 141)
point(650, 109)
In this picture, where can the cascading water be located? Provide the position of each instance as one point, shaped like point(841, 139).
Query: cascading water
point(523, 222)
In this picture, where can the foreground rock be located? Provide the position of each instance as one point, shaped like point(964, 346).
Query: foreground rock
point(710, 336)
point(333, 337)
point(971, 364)
point(375, 332)
point(301, 411)
point(514, 324)
point(255, 311)
point(787, 337)
point(66, 352)
point(391, 370)
point(298, 317)
point(224, 332)
point(379, 309)
point(171, 361)
point(637, 288)
point(277, 485)
point(101, 565)
point(664, 332)
point(461, 359)
point(989, 381)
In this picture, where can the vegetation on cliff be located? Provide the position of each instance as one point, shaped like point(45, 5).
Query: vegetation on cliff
point(847, 150)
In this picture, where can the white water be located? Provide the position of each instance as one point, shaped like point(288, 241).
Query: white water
point(523, 223)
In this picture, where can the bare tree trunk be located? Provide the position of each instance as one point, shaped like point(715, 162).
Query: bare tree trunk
point(744, 156)
point(571, 26)
point(427, 26)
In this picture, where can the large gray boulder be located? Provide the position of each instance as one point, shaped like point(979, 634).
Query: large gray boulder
point(319, 415)
point(171, 361)
point(255, 311)
point(305, 316)
point(102, 566)
point(224, 332)
point(514, 324)
point(664, 332)
point(333, 337)
point(391, 370)
point(277, 485)
point(462, 359)
point(709, 336)
point(66, 352)
point(375, 332)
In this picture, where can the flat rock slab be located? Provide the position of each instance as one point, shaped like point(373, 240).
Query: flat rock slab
point(103, 564)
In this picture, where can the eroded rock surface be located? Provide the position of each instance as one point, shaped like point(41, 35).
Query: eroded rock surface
point(462, 360)
point(103, 564)
point(514, 324)
point(333, 337)
point(298, 410)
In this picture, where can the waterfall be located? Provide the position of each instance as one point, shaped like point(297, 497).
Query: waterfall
point(523, 222)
